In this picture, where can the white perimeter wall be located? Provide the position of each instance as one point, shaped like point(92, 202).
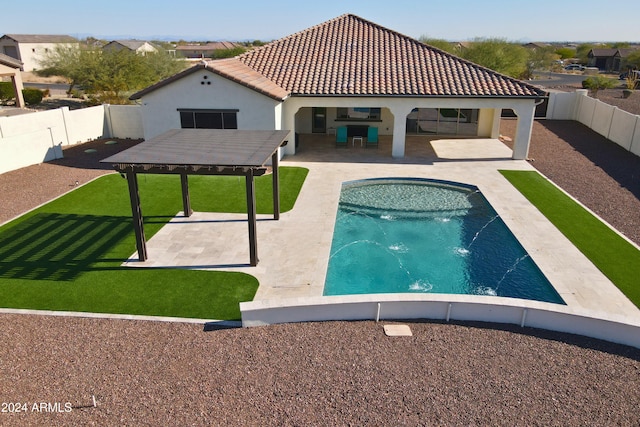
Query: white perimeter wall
point(617, 125)
point(34, 138)
point(160, 107)
point(29, 139)
point(397, 307)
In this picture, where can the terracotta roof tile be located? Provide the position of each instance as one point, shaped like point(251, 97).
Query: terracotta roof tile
point(237, 71)
point(349, 55)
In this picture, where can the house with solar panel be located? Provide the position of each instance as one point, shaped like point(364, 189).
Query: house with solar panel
point(346, 73)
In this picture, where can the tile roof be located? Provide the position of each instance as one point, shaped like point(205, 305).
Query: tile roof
point(41, 38)
point(350, 56)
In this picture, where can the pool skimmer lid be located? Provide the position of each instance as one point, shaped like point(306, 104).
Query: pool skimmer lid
point(397, 331)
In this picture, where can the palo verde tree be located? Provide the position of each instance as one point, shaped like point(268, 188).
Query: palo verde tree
point(499, 55)
point(112, 75)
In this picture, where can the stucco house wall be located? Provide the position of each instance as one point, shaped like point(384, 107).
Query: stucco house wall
point(206, 90)
point(30, 49)
point(140, 47)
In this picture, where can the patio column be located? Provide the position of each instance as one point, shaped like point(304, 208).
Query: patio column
point(400, 114)
point(522, 139)
point(289, 122)
point(275, 179)
point(251, 218)
point(136, 211)
point(495, 129)
point(16, 80)
point(186, 201)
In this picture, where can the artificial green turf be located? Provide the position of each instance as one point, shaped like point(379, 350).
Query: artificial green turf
point(66, 255)
point(618, 259)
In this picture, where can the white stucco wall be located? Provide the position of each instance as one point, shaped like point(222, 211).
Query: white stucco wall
point(124, 121)
point(160, 107)
point(31, 53)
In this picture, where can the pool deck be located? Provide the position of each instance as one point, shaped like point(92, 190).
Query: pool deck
point(294, 251)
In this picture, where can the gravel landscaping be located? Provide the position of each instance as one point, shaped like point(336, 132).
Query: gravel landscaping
point(330, 373)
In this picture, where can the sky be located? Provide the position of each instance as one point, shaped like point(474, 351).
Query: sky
point(213, 20)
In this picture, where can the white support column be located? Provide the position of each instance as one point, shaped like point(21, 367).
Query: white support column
point(524, 127)
point(400, 114)
point(289, 123)
point(495, 129)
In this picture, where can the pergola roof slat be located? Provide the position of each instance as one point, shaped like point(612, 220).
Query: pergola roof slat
point(204, 147)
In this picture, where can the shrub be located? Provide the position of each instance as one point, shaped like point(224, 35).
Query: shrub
point(32, 96)
point(596, 83)
point(6, 91)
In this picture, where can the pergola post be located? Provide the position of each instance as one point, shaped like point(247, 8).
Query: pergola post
point(136, 211)
point(275, 160)
point(186, 201)
point(251, 218)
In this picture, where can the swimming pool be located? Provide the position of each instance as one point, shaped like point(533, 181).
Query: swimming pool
point(417, 235)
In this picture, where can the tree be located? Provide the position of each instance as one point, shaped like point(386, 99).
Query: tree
point(540, 58)
point(77, 64)
point(228, 53)
point(109, 76)
point(499, 55)
point(441, 44)
point(632, 61)
point(582, 52)
point(566, 52)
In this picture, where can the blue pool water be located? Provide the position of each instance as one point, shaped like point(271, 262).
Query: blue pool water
point(425, 236)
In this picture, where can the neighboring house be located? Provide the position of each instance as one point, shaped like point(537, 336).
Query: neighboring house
point(207, 50)
point(346, 71)
point(10, 67)
point(32, 48)
point(536, 45)
point(138, 46)
point(607, 59)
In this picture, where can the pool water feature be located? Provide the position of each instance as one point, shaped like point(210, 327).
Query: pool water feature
point(425, 236)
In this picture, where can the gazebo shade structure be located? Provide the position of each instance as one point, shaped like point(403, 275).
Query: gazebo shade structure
point(203, 152)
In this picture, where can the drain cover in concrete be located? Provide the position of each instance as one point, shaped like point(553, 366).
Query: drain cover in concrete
point(397, 331)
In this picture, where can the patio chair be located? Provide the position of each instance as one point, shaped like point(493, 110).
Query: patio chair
point(341, 136)
point(372, 137)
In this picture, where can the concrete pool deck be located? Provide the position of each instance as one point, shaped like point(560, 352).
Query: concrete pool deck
point(294, 251)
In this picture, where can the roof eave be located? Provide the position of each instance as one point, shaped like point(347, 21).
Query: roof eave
point(377, 95)
point(167, 81)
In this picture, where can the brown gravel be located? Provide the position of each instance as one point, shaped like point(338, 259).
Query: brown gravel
point(334, 373)
point(26, 188)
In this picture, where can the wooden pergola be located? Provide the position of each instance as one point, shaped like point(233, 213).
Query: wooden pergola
point(203, 152)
